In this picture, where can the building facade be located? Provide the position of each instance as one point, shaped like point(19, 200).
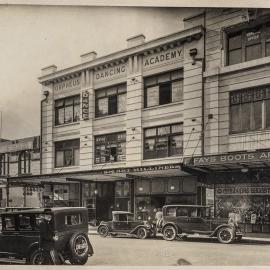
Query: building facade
point(19, 158)
point(179, 119)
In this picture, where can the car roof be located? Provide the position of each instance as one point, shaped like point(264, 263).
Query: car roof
point(186, 205)
point(121, 212)
point(44, 210)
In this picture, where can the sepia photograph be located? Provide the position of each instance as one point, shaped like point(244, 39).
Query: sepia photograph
point(134, 134)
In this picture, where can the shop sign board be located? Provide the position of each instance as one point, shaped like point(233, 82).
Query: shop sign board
point(163, 58)
point(243, 189)
point(232, 158)
point(85, 105)
point(110, 73)
point(70, 84)
point(17, 145)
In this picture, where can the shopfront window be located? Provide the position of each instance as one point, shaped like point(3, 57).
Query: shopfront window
point(248, 44)
point(249, 110)
point(111, 100)
point(67, 110)
point(163, 141)
point(163, 89)
point(122, 195)
point(110, 148)
point(67, 153)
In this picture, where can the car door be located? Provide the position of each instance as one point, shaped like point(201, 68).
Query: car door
point(9, 239)
point(120, 223)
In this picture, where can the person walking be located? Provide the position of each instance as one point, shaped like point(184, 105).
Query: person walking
point(50, 255)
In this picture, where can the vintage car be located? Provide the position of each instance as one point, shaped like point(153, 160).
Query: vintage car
point(124, 223)
point(20, 235)
point(194, 220)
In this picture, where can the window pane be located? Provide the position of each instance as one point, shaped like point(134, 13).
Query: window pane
point(59, 159)
point(149, 148)
point(126, 189)
point(59, 103)
point(68, 114)
point(267, 48)
point(164, 78)
point(177, 91)
point(121, 103)
point(235, 118)
point(121, 137)
point(122, 88)
point(150, 132)
point(76, 157)
point(176, 145)
point(68, 160)
point(102, 106)
point(152, 96)
point(111, 91)
point(68, 101)
point(76, 113)
point(267, 113)
point(150, 81)
point(177, 128)
point(162, 147)
point(246, 116)
point(177, 74)
point(235, 41)
point(253, 52)
point(164, 94)
point(235, 57)
point(164, 130)
point(60, 116)
point(257, 115)
point(100, 93)
point(118, 189)
point(121, 151)
point(112, 104)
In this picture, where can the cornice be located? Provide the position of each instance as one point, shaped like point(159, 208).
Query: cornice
point(149, 47)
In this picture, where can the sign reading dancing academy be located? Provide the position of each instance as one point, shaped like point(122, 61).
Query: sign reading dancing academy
point(232, 158)
point(85, 105)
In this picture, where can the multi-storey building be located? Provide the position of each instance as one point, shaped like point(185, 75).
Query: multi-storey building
point(179, 119)
point(19, 158)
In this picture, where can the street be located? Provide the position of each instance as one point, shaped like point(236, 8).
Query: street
point(158, 252)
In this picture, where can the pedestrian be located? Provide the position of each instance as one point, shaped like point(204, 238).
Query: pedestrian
point(50, 255)
point(158, 218)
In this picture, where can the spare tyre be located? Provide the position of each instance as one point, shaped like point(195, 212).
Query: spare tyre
point(80, 247)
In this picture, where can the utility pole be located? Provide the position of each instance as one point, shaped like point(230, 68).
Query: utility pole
point(1, 113)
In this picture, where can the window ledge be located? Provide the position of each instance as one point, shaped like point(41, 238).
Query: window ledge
point(242, 134)
point(109, 116)
point(238, 67)
point(162, 106)
point(68, 124)
point(67, 167)
point(108, 165)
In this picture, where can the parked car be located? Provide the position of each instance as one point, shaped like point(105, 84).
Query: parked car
point(194, 220)
point(124, 223)
point(20, 235)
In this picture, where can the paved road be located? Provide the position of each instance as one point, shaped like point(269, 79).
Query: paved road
point(158, 252)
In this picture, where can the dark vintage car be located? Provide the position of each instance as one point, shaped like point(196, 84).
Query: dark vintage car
point(20, 235)
point(194, 220)
point(124, 223)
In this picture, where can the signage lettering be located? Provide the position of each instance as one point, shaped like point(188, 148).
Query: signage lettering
point(231, 158)
point(68, 84)
point(85, 105)
point(162, 57)
point(110, 72)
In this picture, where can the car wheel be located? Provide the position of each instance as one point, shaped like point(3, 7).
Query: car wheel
point(169, 233)
point(36, 257)
point(103, 231)
point(79, 248)
point(225, 235)
point(141, 233)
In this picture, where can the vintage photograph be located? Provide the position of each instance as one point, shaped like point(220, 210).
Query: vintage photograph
point(134, 135)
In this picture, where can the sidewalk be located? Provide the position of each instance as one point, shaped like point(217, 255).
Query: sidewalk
point(262, 237)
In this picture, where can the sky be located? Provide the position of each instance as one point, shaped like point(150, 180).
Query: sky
point(33, 37)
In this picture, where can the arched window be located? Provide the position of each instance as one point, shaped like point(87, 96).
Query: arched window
point(24, 162)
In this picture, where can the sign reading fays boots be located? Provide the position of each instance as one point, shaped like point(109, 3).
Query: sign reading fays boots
point(169, 56)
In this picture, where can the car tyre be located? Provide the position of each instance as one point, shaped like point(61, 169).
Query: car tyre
point(141, 233)
point(103, 231)
point(225, 235)
point(36, 257)
point(169, 233)
point(79, 248)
